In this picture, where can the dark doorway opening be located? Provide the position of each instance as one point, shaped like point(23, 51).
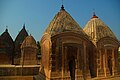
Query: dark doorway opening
point(72, 69)
point(110, 64)
point(72, 52)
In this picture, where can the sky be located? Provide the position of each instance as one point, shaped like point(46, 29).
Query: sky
point(37, 14)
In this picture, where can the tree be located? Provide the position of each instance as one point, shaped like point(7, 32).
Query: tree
point(38, 50)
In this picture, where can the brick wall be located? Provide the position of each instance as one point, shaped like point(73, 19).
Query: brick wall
point(13, 70)
point(16, 77)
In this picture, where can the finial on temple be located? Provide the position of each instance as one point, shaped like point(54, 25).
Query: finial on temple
point(24, 26)
point(62, 8)
point(94, 15)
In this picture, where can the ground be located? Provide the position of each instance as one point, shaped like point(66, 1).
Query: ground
point(31, 78)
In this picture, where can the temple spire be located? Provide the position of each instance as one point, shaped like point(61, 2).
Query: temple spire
point(94, 15)
point(62, 8)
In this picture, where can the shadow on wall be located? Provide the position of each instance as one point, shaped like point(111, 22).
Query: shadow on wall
point(41, 75)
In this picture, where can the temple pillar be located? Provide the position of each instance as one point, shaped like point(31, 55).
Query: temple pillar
point(64, 62)
point(114, 68)
point(97, 66)
point(77, 62)
point(84, 63)
point(100, 64)
point(104, 63)
point(107, 72)
point(78, 65)
point(113, 62)
point(86, 71)
point(63, 58)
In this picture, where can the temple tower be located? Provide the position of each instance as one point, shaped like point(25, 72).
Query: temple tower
point(18, 41)
point(65, 49)
point(29, 51)
point(6, 48)
point(106, 44)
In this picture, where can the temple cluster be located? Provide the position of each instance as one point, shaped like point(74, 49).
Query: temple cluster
point(68, 52)
point(19, 57)
point(12, 52)
point(74, 53)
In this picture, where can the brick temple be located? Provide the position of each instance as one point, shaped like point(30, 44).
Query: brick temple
point(68, 52)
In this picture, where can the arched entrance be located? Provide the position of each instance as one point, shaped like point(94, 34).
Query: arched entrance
point(109, 60)
point(72, 68)
point(110, 64)
point(72, 52)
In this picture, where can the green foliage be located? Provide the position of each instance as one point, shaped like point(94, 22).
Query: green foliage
point(38, 50)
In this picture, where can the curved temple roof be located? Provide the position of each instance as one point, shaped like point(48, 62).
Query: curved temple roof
point(20, 37)
point(7, 38)
point(96, 29)
point(29, 42)
point(63, 22)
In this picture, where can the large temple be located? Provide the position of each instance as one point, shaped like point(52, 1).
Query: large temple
point(68, 52)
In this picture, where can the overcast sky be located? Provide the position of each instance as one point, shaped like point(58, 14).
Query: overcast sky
point(37, 14)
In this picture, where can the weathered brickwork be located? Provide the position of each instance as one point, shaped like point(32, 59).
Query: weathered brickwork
point(68, 52)
point(76, 53)
point(13, 70)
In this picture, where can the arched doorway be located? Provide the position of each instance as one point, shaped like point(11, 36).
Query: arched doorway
point(72, 68)
point(109, 60)
point(72, 52)
point(110, 64)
